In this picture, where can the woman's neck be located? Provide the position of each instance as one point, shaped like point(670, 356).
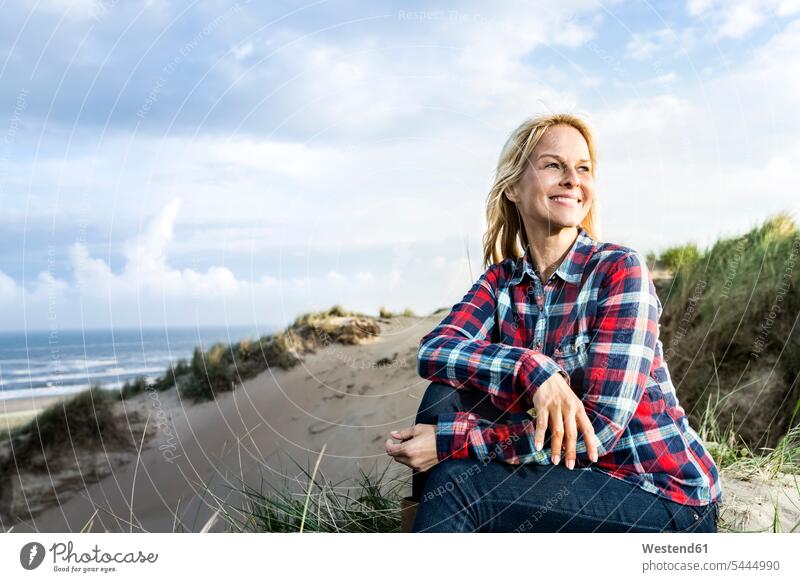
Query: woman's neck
point(548, 249)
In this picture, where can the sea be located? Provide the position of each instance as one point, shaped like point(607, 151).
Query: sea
point(49, 363)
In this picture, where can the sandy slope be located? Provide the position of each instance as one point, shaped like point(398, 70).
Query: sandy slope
point(752, 498)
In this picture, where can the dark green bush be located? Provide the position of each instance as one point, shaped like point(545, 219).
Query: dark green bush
point(87, 420)
point(679, 257)
point(130, 389)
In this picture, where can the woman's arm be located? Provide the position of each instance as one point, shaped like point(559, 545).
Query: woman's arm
point(459, 352)
point(620, 356)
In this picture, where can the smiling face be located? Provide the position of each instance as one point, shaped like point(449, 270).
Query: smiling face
point(556, 190)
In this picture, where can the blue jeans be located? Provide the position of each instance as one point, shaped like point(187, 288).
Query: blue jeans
point(468, 495)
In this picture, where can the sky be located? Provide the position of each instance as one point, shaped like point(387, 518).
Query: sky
point(240, 163)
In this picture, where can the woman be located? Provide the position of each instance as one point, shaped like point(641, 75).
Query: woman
point(569, 332)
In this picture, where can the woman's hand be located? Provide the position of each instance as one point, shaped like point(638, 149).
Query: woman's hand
point(417, 448)
point(559, 409)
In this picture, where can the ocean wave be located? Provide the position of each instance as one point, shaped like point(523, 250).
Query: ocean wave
point(50, 391)
point(55, 377)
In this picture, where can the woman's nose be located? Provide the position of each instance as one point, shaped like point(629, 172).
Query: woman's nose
point(570, 178)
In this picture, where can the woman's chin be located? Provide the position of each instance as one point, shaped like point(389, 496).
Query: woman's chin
point(572, 220)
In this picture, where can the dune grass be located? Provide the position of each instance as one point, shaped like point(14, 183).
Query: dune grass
point(385, 313)
point(223, 367)
point(86, 420)
point(730, 451)
point(729, 334)
point(371, 506)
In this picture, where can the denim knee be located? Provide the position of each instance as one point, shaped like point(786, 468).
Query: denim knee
point(438, 399)
point(447, 476)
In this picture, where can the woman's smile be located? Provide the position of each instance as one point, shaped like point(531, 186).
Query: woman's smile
point(565, 201)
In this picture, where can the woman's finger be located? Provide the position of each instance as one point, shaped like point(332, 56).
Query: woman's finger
point(570, 438)
point(541, 429)
point(556, 434)
point(587, 430)
point(403, 453)
point(394, 449)
point(403, 434)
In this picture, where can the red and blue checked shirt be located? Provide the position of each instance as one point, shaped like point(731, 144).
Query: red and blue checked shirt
point(595, 321)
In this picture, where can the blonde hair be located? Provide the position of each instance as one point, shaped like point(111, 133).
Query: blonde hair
point(505, 236)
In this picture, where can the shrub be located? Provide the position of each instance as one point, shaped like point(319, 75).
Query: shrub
point(130, 389)
point(210, 374)
point(280, 350)
point(197, 388)
point(173, 374)
point(86, 420)
point(675, 258)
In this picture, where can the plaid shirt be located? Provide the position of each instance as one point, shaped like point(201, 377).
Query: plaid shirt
point(595, 322)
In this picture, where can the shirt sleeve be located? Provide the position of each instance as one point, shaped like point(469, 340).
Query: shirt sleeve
point(458, 352)
point(465, 435)
point(618, 367)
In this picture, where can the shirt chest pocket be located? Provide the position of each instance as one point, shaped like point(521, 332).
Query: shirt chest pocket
point(572, 354)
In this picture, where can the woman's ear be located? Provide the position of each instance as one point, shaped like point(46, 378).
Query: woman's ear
point(511, 194)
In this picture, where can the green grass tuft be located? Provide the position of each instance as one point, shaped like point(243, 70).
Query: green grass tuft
point(324, 507)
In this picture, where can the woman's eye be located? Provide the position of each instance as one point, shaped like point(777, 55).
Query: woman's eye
point(584, 168)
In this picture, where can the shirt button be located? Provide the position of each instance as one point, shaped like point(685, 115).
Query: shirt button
point(538, 345)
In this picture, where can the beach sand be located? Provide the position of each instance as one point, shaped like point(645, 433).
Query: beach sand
point(17, 405)
point(18, 411)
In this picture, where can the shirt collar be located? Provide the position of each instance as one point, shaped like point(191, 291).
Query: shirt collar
point(570, 269)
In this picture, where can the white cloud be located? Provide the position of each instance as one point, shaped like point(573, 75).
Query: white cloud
point(740, 19)
point(644, 46)
point(648, 116)
point(75, 9)
point(8, 288)
point(755, 103)
point(657, 44)
point(242, 51)
point(664, 79)
point(148, 249)
point(788, 7)
point(39, 299)
point(737, 18)
point(146, 269)
point(97, 10)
